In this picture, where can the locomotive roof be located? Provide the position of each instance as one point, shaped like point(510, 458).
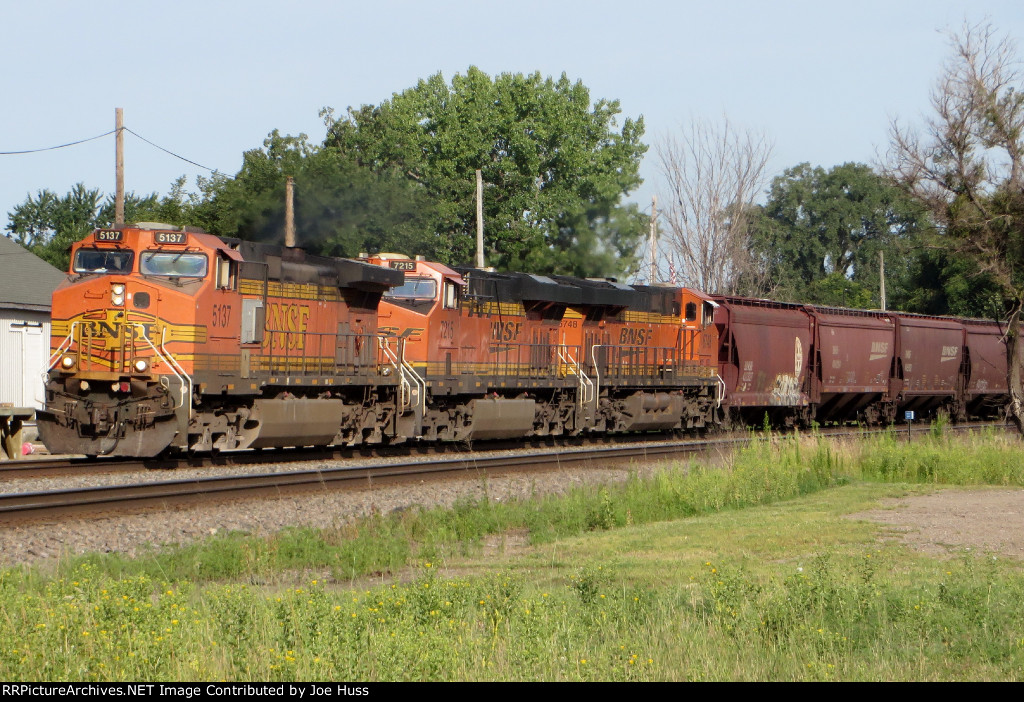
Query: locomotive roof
point(601, 293)
point(527, 287)
point(296, 265)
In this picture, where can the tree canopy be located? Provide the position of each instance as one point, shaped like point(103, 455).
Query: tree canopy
point(341, 208)
point(400, 176)
point(820, 233)
point(713, 173)
point(48, 224)
point(555, 167)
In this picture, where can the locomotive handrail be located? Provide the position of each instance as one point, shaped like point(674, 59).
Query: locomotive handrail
point(405, 372)
point(171, 363)
point(404, 388)
point(320, 352)
point(61, 348)
point(637, 360)
point(719, 390)
point(421, 384)
point(176, 367)
point(597, 368)
point(586, 391)
point(525, 360)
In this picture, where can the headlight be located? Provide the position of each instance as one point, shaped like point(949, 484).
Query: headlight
point(141, 365)
point(67, 362)
point(117, 299)
point(118, 288)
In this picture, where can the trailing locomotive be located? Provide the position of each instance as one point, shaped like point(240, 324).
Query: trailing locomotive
point(167, 339)
point(501, 355)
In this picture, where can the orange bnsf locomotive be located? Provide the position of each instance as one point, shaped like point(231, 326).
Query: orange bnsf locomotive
point(176, 339)
point(500, 355)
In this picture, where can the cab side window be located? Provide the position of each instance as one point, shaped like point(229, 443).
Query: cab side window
point(691, 312)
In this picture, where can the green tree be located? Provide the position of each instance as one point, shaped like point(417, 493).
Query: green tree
point(967, 169)
point(341, 208)
point(821, 231)
point(942, 281)
point(555, 168)
point(48, 224)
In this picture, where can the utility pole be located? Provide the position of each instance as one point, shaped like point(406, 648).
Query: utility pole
point(881, 272)
point(119, 167)
point(654, 239)
point(479, 219)
point(289, 212)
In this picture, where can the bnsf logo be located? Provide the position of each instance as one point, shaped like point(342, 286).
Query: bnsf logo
point(879, 347)
point(287, 324)
point(506, 331)
point(950, 351)
point(635, 337)
point(114, 330)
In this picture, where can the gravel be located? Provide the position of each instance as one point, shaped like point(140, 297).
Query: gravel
point(133, 534)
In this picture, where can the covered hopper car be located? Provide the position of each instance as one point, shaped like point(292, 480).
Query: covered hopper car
point(801, 363)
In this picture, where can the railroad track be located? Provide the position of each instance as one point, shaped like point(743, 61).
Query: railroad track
point(20, 508)
point(16, 508)
point(66, 466)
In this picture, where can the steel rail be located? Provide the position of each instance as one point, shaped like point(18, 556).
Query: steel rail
point(48, 505)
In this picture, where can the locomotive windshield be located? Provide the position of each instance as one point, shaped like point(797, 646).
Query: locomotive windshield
point(103, 261)
point(174, 265)
point(414, 289)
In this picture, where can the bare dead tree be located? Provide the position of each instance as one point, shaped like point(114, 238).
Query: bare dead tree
point(966, 164)
point(713, 173)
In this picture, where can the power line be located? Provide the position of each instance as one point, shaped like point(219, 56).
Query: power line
point(112, 131)
point(211, 170)
point(62, 146)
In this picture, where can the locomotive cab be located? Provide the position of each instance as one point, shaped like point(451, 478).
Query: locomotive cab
point(117, 383)
point(422, 313)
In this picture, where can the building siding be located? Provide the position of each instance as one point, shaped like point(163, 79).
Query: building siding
point(24, 353)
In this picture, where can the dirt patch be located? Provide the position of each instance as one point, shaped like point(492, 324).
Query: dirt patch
point(950, 521)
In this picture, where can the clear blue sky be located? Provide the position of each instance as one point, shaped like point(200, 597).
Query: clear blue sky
point(208, 80)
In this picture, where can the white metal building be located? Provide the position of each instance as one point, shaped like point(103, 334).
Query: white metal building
point(26, 285)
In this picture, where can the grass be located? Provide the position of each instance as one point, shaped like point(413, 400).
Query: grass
point(752, 571)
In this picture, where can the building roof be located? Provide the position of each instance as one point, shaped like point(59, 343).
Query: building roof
point(26, 281)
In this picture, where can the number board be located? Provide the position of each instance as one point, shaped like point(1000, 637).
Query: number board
point(170, 237)
point(403, 265)
point(109, 235)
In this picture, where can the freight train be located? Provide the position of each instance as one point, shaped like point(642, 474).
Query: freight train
point(168, 339)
